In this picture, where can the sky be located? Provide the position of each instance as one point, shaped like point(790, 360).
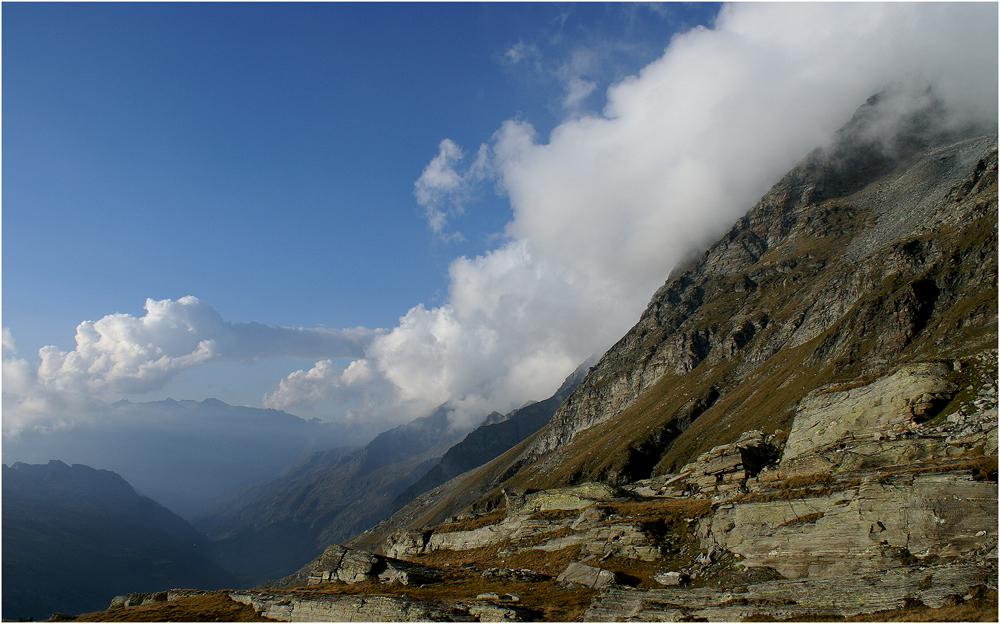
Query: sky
point(357, 212)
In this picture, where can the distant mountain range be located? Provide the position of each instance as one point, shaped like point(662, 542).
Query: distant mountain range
point(74, 537)
point(188, 455)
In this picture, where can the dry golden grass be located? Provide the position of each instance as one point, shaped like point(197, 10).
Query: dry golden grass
point(547, 562)
point(210, 607)
point(470, 524)
point(542, 537)
point(666, 509)
point(801, 481)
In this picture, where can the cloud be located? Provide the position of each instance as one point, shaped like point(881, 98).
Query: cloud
point(606, 206)
point(121, 354)
point(521, 51)
point(443, 191)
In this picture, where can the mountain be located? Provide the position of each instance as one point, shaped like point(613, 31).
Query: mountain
point(74, 537)
point(267, 531)
point(874, 251)
point(494, 437)
point(188, 455)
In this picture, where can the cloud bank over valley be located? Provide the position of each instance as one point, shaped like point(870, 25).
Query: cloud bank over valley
point(601, 210)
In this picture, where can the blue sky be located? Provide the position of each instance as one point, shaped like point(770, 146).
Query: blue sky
point(226, 192)
point(261, 156)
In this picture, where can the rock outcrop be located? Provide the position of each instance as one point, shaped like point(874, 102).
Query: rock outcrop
point(350, 566)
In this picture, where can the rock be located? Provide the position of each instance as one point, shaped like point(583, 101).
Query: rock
point(728, 466)
point(500, 597)
point(589, 518)
point(338, 563)
point(290, 607)
point(573, 497)
point(825, 599)
point(825, 417)
point(848, 532)
point(157, 597)
point(348, 608)
point(133, 600)
point(671, 578)
point(486, 612)
point(407, 573)
point(588, 576)
point(357, 566)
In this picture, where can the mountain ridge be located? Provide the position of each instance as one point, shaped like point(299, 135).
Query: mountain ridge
point(73, 536)
point(665, 391)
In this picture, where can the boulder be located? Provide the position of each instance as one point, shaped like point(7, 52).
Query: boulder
point(825, 417)
point(671, 579)
point(588, 576)
point(338, 563)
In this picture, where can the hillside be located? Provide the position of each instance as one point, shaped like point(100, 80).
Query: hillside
point(492, 439)
point(73, 537)
point(867, 255)
point(268, 531)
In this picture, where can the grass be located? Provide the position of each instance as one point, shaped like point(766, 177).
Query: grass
point(546, 599)
point(470, 524)
point(667, 509)
point(214, 606)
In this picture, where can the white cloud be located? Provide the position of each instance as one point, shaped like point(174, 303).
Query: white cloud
point(443, 191)
point(611, 202)
point(521, 51)
point(121, 354)
point(577, 90)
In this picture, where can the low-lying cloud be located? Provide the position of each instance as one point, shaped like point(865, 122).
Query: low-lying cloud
point(602, 208)
point(121, 354)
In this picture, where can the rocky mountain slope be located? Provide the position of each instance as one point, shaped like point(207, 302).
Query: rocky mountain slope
point(74, 536)
point(802, 424)
point(871, 253)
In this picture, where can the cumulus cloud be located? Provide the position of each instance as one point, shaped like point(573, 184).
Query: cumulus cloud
point(609, 203)
point(121, 354)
